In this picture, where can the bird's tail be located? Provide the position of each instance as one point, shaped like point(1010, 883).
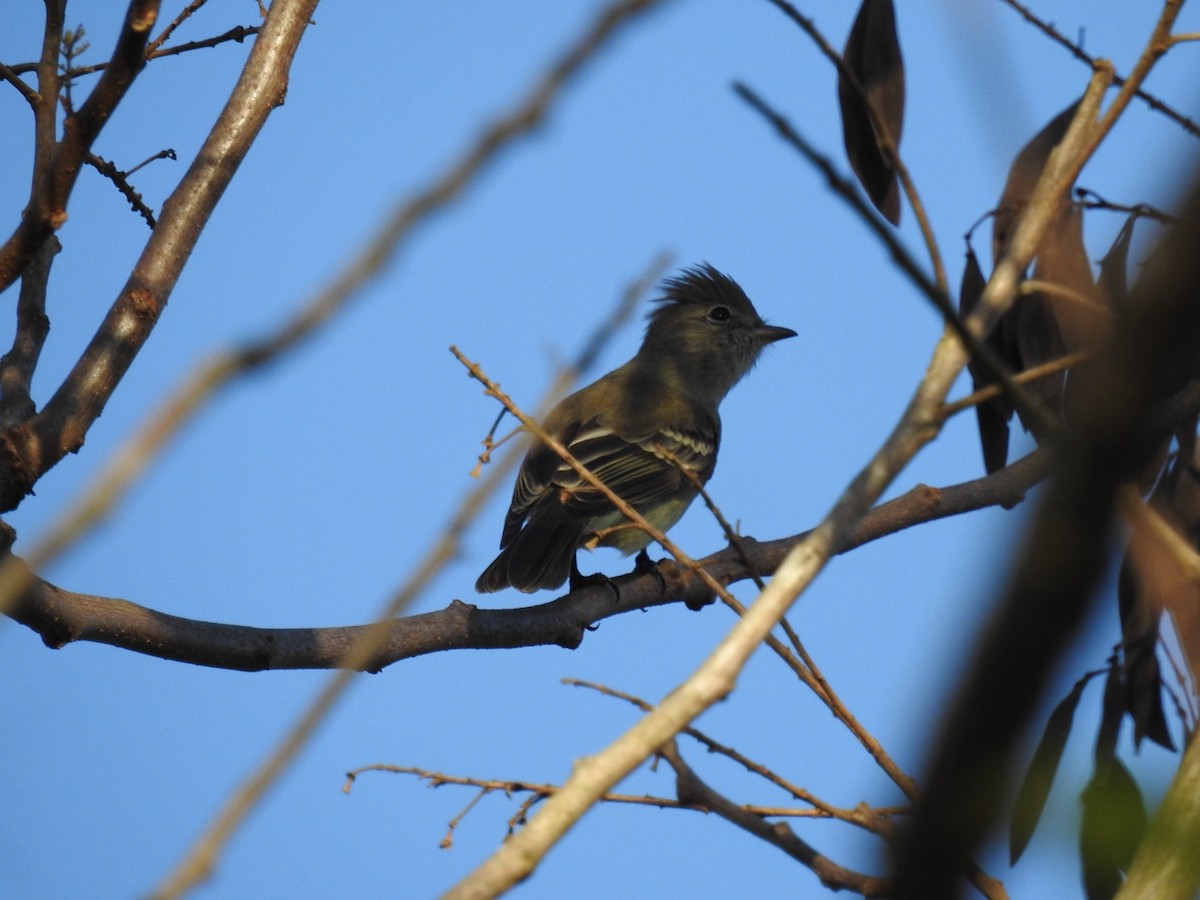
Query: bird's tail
point(539, 556)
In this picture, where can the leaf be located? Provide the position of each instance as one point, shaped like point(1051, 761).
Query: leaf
point(1023, 176)
point(1114, 817)
point(1110, 718)
point(1031, 798)
point(873, 54)
point(1039, 337)
point(1144, 692)
point(1155, 578)
point(1114, 268)
point(1039, 340)
point(1114, 820)
point(1139, 657)
point(1062, 260)
point(992, 415)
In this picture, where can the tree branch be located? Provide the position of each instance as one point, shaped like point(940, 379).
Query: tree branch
point(33, 448)
point(61, 616)
point(47, 210)
point(1079, 53)
point(692, 790)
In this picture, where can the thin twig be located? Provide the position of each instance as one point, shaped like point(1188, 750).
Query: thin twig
point(510, 787)
point(121, 182)
point(691, 789)
point(184, 15)
point(1053, 367)
point(237, 34)
point(869, 818)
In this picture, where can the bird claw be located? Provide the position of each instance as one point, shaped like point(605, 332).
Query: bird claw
point(579, 581)
point(643, 563)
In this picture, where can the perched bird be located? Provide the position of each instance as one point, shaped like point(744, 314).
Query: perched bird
point(701, 339)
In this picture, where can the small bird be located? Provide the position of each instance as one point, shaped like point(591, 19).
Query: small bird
point(701, 339)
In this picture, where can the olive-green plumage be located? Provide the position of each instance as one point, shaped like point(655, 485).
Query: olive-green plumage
point(702, 338)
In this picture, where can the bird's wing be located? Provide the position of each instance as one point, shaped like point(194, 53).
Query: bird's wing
point(637, 470)
point(536, 476)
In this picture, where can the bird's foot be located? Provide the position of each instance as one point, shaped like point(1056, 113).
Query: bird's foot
point(643, 563)
point(579, 581)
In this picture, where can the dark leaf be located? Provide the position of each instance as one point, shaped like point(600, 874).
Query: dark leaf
point(992, 415)
point(873, 55)
point(1039, 340)
point(1153, 579)
point(1114, 268)
point(1023, 176)
point(1110, 718)
point(1062, 260)
point(1031, 799)
point(1114, 821)
point(1139, 658)
point(1032, 319)
point(1144, 691)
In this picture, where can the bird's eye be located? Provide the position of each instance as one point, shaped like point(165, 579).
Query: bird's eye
point(719, 314)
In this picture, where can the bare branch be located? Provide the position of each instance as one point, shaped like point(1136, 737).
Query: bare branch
point(876, 820)
point(510, 787)
point(61, 616)
point(237, 34)
point(183, 16)
point(1079, 53)
point(692, 790)
point(32, 97)
point(18, 365)
point(47, 210)
point(119, 179)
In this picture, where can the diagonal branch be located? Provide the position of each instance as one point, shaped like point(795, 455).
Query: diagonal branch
point(32, 97)
point(979, 351)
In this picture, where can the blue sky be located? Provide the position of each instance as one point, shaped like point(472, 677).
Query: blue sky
point(308, 493)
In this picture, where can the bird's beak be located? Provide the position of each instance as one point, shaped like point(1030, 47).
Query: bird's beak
point(769, 334)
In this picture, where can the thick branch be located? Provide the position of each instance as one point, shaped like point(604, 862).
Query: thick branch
point(61, 617)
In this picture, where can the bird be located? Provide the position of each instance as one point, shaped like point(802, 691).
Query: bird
point(634, 428)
